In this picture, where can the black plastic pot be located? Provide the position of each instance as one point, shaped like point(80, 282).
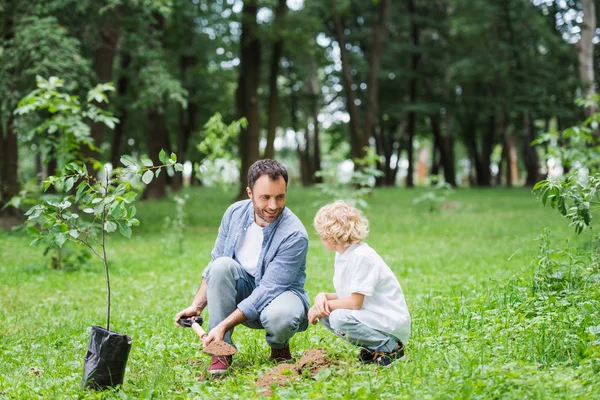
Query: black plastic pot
point(106, 359)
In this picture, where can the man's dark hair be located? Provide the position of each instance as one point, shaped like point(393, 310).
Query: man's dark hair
point(274, 169)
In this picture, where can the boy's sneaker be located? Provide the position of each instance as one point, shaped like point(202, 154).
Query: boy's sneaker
point(281, 355)
point(366, 356)
point(219, 365)
point(385, 359)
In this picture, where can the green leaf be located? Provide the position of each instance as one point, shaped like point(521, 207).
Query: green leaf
point(125, 230)
point(74, 233)
point(147, 177)
point(33, 231)
point(157, 172)
point(88, 210)
point(173, 157)
point(132, 211)
point(110, 226)
point(60, 239)
point(146, 162)
point(178, 167)
point(162, 156)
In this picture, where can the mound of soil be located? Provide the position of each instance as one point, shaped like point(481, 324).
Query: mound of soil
point(313, 360)
point(219, 348)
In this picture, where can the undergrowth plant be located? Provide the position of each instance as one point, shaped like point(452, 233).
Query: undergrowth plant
point(362, 181)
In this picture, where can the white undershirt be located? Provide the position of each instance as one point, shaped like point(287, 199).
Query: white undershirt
point(248, 248)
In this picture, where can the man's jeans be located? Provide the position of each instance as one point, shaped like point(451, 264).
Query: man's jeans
point(343, 324)
point(229, 284)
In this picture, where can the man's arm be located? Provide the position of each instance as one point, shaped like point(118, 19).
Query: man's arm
point(218, 332)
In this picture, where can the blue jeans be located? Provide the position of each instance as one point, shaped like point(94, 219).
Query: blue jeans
point(344, 325)
point(228, 284)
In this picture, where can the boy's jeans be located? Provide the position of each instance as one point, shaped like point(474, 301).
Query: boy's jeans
point(229, 284)
point(343, 324)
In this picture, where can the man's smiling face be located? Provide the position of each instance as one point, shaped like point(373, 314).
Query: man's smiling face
point(268, 197)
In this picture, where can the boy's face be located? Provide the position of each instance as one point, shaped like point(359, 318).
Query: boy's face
point(329, 245)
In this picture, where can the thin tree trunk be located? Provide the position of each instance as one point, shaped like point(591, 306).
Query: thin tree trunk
point(303, 159)
point(380, 36)
point(530, 156)
point(314, 92)
point(105, 50)
point(247, 92)
point(356, 142)
point(412, 91)
point(122, 113)
point(446, 150)
point(157, 140)
point(585, 53)
point(273, 117)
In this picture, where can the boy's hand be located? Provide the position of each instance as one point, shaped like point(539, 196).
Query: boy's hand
point(321, 306)
point(312, 316)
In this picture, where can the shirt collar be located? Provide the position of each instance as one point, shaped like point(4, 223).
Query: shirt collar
point(348, 253)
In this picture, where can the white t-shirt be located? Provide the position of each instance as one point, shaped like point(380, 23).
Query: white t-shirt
point(361, 270)
point(248, 248)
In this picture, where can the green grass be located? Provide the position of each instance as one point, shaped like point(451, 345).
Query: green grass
point(481, 329)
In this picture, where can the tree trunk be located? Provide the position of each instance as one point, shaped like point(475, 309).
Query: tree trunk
point(157, 140)
point(273, 118)
point(122, 110)
point(486, 152)
point(412, 90)
point(303, 158)
point(105, 50)
point(446, 150)
point(247, 92)
point(356, 136)
point(585, 53)
point(9, 182)
point(314, 90)
point(380, 36)
point(530, 156)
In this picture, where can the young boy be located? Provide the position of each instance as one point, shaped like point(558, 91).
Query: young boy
point(368, 307)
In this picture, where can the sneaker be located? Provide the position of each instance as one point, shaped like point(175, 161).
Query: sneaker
point(281, 355)
point(219, 365)
point(366, 356)
point(385, 359)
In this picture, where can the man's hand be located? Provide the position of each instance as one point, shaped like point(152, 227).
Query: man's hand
point(186, 312)
point(321, 306)
point(216, 333)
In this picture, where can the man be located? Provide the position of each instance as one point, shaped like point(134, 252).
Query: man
point(257, 271)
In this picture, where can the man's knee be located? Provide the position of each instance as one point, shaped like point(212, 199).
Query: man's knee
point(278, 319)
point(220, 268)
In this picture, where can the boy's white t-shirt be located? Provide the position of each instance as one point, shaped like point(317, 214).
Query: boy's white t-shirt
point(248, 248)
point(361, 270)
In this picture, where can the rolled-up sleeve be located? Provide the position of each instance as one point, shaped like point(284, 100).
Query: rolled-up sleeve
point(279, 275)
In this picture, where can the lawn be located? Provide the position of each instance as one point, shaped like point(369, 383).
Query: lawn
point(482, 327)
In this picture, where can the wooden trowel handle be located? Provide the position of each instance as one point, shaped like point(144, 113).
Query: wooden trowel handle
point(198, 329)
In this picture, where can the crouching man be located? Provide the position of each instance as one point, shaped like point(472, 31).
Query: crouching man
point(257, 271)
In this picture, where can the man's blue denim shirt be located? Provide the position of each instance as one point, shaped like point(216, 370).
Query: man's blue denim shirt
point(282, 260)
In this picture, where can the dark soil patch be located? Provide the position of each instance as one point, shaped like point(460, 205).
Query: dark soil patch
point(282, 374)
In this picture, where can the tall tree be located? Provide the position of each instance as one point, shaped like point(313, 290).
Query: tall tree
point(273, 103)
point(247, 92)
point(359, 133)
point(585, 52)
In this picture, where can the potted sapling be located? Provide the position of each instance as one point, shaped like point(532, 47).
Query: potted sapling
point(108, 203)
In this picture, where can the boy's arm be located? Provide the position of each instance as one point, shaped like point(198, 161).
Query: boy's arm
point(352, 302)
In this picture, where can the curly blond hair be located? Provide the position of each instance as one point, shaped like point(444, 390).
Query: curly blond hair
point(341, 223)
